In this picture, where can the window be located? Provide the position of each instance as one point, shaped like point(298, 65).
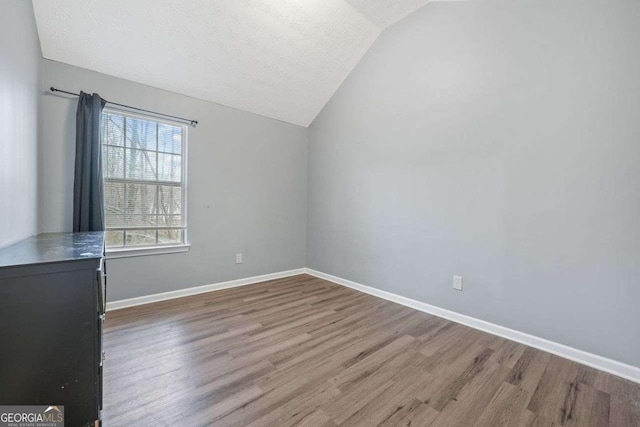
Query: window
point(144, 161)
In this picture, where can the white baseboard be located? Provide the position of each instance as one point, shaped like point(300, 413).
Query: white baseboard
point(131, 302)
point(620, 369)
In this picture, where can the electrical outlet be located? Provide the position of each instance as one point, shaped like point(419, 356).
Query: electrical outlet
point(238, 258)
point(457, 283)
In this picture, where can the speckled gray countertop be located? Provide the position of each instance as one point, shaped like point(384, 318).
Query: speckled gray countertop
point(53, 247)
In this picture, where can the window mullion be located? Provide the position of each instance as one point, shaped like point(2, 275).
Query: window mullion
point(124, 177)
point(157, 179)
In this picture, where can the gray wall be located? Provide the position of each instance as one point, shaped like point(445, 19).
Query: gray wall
point(19, 84)
point(246, 186)
point(499, 141)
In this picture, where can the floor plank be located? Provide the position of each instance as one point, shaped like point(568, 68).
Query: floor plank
point(302, 351)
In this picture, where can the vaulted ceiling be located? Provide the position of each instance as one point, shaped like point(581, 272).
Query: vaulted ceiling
point(279, 58)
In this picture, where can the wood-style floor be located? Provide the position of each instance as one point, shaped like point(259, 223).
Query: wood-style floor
point(306, 352)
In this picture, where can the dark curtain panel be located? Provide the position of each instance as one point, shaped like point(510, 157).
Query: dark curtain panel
point(88, 193)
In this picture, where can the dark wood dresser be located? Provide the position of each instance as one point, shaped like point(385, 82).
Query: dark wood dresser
point(52, 303)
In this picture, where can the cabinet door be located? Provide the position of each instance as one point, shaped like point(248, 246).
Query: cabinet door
point(47, 322)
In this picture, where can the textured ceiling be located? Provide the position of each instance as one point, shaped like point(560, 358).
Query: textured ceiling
point(279, 58)
point(384, 13)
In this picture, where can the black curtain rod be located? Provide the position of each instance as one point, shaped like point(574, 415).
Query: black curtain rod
point(191, 122)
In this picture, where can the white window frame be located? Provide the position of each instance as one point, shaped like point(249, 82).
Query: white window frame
point(130, 251)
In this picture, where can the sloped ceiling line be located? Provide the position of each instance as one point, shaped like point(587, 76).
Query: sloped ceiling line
point(282, 59)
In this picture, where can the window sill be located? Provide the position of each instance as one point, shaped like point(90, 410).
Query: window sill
point(155, 250)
